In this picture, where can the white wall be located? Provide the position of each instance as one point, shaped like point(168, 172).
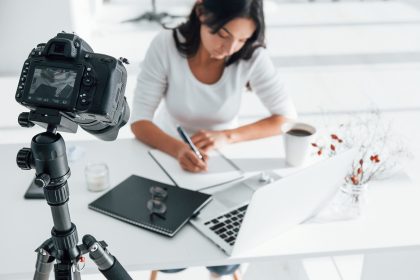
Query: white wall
point(24, 24)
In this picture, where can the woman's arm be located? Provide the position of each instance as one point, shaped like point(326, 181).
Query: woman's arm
point(149, 92)
point(266, 83)
point(266, 127)
point(152, 135)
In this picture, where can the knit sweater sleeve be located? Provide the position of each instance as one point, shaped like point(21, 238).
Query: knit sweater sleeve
point(153, 79)
point(267, 84)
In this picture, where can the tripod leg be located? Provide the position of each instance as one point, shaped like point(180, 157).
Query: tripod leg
point(76, 275)
point(44, 265)
point(63, 271)
point(107, 264)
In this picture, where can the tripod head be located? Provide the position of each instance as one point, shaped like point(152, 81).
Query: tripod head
point(52, 170)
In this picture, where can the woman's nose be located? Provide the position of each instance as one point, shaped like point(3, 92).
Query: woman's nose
point(229, 47)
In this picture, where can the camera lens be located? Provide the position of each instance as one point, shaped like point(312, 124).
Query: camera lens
point(105, 131)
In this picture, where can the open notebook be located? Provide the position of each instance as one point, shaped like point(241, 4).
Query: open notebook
point(128, 202)
point(220, 170)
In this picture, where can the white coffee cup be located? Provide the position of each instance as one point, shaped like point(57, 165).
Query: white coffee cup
point(297, 140)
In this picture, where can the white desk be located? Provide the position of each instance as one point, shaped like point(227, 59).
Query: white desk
point(391, 220)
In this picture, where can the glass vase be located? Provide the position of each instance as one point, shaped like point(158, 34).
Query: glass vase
point(350, 201)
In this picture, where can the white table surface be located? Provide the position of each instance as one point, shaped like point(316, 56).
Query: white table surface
point(390, 222)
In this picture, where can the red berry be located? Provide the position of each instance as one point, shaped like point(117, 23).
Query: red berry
point(354, 180)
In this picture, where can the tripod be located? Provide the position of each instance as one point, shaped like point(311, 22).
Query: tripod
point(47, 156)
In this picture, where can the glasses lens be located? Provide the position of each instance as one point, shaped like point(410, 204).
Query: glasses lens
point(156, 206)
point(158, 192)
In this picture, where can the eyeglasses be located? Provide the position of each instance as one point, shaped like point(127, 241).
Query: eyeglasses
point(156, 205)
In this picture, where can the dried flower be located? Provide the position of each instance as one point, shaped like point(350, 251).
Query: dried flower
point(378, 153)
point(354, 180)
point(332, 148)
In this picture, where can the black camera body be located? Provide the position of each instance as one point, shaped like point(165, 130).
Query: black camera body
point(67, 76)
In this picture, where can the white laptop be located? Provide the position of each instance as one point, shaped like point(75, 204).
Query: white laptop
point(253, 211)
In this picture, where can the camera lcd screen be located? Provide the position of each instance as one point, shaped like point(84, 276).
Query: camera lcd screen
point(52, 85)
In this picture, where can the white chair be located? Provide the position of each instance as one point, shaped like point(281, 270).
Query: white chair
point(153, 15)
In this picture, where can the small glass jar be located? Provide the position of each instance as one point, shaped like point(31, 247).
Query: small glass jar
point(350, 201)
point(97, 177)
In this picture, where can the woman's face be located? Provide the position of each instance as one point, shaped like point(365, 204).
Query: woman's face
point(229, 39)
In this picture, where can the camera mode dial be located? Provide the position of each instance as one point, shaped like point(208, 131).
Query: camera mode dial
point(37, 51)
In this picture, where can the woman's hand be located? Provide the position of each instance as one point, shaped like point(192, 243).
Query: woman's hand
point(208, 140)
point(189, 161)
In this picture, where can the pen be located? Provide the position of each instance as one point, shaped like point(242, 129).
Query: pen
point(187, 140)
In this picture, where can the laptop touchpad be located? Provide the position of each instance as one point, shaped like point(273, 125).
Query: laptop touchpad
point(235, 195)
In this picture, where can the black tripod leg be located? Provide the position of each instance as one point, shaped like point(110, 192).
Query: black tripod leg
point(63, 271)
point(44, 260)
point(44, 265)
point(107, 264)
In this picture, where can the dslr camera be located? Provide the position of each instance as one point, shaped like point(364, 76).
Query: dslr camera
point(66, 84)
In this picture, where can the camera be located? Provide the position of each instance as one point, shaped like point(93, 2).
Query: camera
point(64, 83)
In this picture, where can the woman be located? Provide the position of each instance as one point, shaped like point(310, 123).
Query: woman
point(198, 73)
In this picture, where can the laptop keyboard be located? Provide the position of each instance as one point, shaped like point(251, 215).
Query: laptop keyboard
point(227, 226)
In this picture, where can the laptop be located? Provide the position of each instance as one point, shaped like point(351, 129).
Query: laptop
point(253, 211)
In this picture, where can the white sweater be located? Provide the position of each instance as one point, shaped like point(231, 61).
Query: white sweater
point(166, 76)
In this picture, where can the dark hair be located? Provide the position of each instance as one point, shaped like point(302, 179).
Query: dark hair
point(217, 13)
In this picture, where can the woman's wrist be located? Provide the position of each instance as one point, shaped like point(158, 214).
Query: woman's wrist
point(231, 136)
point(177, 148)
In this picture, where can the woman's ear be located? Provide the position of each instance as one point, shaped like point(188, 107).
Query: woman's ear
point(199, 11)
